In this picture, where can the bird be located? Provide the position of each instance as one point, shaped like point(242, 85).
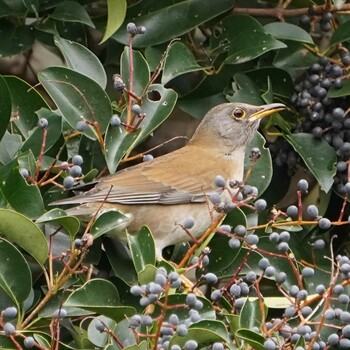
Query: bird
point(165, 192)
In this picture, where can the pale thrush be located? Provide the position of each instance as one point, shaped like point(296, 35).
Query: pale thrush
point(164, 192)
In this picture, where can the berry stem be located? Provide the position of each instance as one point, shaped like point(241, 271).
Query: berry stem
point(41, 155)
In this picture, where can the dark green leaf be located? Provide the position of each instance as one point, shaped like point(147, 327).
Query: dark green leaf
point(116, 16)
point(77, 96)
point(9, 145)
point(341, 34)
point(288, 31)
point(15, 38)
point(15, 276)
point(59, 217)
point(163, 24)
point(245, 90)
point(99, 296)
point(108, 221)
point(19, 229)
point(318, 156)
point(82, 60)
point(5, 106)
point(255, 340)
point(142, 248)
point(72, 11)
point(179, 60)
point(343, 91)
point(22, 197)
point(250, 315)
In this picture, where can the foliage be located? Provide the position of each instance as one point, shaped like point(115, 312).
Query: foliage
point(266, 275)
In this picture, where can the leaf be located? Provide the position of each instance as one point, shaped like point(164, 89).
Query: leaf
point(255, 340)
point(77, 96)
point(5, 106)
point(318, 156)
point(19, 229)
point(107, 221)
point(59, 217)
point(341, 34)
point(179, 60)
point(288, 31)
point(117, 143)
point(15, 275)
point(99, 296)
point(9, 145)
point(15, 38)
point(22, 197)
point(246, 90)
point(71, 11)
point(142, 248)
point(164, 23)
point(261, 174)
point(343, 91)
point(25, 102)
point(115, 18)
point(82, 60)
point(250, 315)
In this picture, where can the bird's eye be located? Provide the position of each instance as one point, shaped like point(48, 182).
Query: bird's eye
point(238, 113)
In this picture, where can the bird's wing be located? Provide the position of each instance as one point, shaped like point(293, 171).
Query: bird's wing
point(174, 178)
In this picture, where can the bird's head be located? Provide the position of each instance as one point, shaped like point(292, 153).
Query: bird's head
point(234, 124)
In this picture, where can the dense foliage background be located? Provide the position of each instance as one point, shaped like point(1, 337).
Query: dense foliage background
point(274, 275)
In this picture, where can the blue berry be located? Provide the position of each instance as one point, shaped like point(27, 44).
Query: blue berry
point(303, 185)
point(59, 313)
point(312, 212)
point(225, 228)
point(43, 123)
point(78, 243)
point(99, 325)
point(274, 237)
point(160, 279)
point(147, 157)
point(136, 109)
point(216, 295)
point(174, 319)
point(252, 239)
point(191, 345)
point(28, 342)
point(240, 230)
point(10, 312)
point(136, 290)
point(191, 299)
point(68, 182)
point(75, 171)
point(235, 290)
point(263, 263)
point(333, 339)
point(343, 299)
point(24, 172)
point(217, 346)
point(220, 181)
point(284, 236)
point(260, 205)
point(77, 159)
point(270, 271)
point(293, 290)
point(269, 344)
point(182, 330)
point(188, 223)
point(329, 314)
point(283, 247)
point(324, 224)
point(115, 120)
point(131, 28)
point(210, 278)
point(292, 211)
point(307, 271)
point(250, 276)
point(9, 329)
point(215, 198)
point(290, 311)
point(319, 244)
point(306, 311)
point(81, 126)
point(234, 243)
point(281, 277)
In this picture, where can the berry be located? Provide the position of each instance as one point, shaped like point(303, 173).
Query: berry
point(283, 247)
point(220, 181)
point(210, 278)
point(115, 120)
point(28, 342)
point(263, 263)
point(43, 123)
point(284, 236)
point(174, 319)
point(346, 331)
point(333, 339)
point(175, 347)
point(24, 172)
point(173, 276)
point(303, 185)
point(147, 157)
point(307, 272)
point(77, 159)
point(235, 290)
point(289, 311)
point(250, 276)
point(344, 343)
point(131, 28)
point(136, 290)
point(260, 205)
point(191, 300)
point(302, 295)
point(269, 344)
point(68, 182)
point(144, 301)
point(75, 171)
point(281, 277)
point(306, 311)
point(324, 224)
point(10, 312)
point(81, 126)
point(329, 314)
point(293, 290)
point(292, 211)
point(216, 295)
point(9, 329)
point(78, 243)
point(338, 289)
point(319, 244)
point(188, 223)
point(215, 198)
point(274, 237)
point(160, 279)
point(270, 271)
point(320, 289)
point(136, 109)
point(190, 345)
point(240, 230)
point(182, 330)
point(59, 313)
point(99, 325)
point(312, 212)
point(225, 228)
point(217, 346)
point(252, 239)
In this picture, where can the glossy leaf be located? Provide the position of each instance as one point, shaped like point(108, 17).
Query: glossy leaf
point(288, 31)
point(250, 315)
point(117, 143)
point(77, 96)
point(15, 275)
point(142, 248)
point(9, 145)
point(5, 106)
point(160, 26)
point(22, 197)
point(22, 231)
point(255, 340)
point(116, 16)
point(261, 174)
point(72, 11)
point(99, 296)
point(59, 217)
point(108, 221)
point(82, 60)
point(179, 60)
point(25, 102)
point(341, 34)
point(318, 156)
